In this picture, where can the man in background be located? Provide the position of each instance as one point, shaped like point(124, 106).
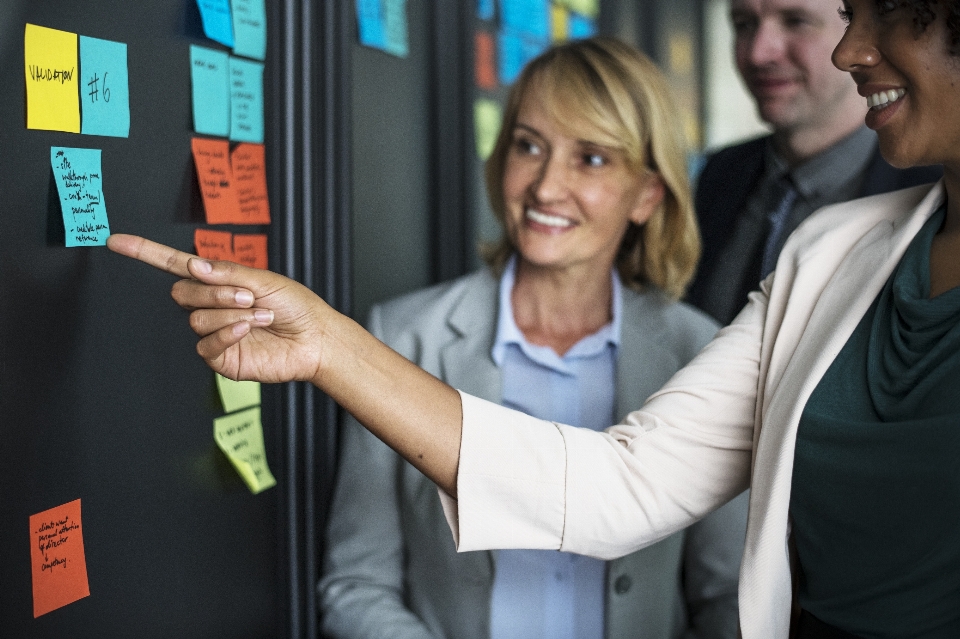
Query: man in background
point(751, 196)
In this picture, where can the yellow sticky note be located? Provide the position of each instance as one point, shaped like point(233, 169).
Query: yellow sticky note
point(237, 395)
point(487, 116)
point(240, 437)
point(53, 101)
point(559, 23)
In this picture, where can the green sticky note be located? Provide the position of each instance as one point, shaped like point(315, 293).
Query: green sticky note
point(240, 437)
point(487, 116)
point(237, 395)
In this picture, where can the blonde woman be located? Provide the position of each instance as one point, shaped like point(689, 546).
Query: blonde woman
point(576, 321)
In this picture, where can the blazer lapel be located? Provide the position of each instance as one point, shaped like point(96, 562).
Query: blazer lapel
point(837, 312)
point(466, 361)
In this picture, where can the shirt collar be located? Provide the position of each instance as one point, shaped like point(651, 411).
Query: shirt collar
point(830, 168)
point(508, 332)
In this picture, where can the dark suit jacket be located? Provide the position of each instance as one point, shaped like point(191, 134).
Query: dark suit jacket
point(728, 179)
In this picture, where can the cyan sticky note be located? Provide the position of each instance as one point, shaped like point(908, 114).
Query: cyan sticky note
point(80, 187)
point(210, 79)
point(485, 9)
point(581, 26)
point(527, 17)
point(511, 58)
point(395, 27)
point(104, 88)
point(246, 100)
point(249, 28)
point(370, 24)
point(217, 23)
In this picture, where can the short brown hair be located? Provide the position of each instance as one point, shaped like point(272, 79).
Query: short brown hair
point(616, 92)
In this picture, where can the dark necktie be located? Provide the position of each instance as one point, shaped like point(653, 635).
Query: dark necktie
point(777, 220)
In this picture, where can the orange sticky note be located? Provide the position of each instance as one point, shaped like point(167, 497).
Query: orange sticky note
point(250, 182)
point(213, 245)
point(212, 158)
point(483, 62)
point(250, 250)
point(56, 555)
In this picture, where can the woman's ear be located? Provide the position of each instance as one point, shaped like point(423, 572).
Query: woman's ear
point(649, 198)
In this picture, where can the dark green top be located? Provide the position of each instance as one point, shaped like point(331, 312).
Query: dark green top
point(875, 506)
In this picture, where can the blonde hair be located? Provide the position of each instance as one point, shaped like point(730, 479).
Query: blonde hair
point(618, 94)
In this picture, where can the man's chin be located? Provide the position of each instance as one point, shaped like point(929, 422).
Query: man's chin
point(780, 114)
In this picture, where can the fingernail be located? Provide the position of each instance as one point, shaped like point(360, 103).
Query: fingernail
point(264, 317)
point(243, 297)
point(203, 266)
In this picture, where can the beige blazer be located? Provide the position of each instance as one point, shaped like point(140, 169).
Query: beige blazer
point(390, 566)
point(727, 420)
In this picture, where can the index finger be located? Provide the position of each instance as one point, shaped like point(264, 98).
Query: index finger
point(157, 255)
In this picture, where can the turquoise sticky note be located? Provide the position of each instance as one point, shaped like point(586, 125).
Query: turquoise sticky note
point(528, 17)
point(370, 24)
point(395, 27)
point(210, 79)
point(246, 101)
point(581, 26)
point(249, 28)
point(511, 56)
point(104, 88)
point(217, 23)
point(80, 187)
point(485, 9)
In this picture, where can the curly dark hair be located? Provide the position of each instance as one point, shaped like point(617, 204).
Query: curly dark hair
point(924, 13)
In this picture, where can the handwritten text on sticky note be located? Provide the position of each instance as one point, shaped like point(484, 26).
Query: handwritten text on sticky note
point(246, 100)
point(250, 182)
point(240, 437)
point(210, 90)
point(104, 87)
point(250, 250)
point(57, 559)
point(213, 245)
point(249, 28)
point(212, 159)
point(51, 75)
point(79, 180)
point(217, 23)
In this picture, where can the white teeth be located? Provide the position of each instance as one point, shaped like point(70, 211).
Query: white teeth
point(548, 220)
point(883, 98)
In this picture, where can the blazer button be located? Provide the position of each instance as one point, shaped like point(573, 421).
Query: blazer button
point(622, 585)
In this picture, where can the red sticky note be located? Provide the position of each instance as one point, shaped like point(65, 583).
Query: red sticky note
point(250, 250)
point(212, 158)
point(56, 555)
point(213, 245)
point(484, 68)
point(250, 182)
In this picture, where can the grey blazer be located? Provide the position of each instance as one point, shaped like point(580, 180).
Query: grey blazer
point(391, 568)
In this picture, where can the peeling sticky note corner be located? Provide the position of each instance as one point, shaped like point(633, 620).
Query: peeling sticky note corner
point(240, 437)
point(216, 19)
point(237, 395)
point(58, 563)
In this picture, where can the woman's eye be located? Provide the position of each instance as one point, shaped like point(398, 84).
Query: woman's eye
point(527, 147)
point(845, 15)
point(594, 160)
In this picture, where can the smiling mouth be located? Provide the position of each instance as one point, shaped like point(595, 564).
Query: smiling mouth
point(883, 99)
point(547, 220)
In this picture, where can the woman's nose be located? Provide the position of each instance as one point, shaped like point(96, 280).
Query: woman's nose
point(856, 49)
point(552, 180)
